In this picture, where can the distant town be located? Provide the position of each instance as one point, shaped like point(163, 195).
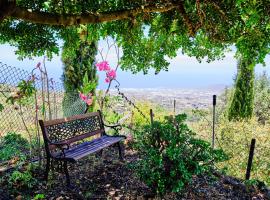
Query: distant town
point(185, 98)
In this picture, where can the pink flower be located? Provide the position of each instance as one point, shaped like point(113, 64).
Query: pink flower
point(103, 66)
point(86, 98)
point(107, 80)
point(83, 97)
point(89, 101)
point(111, 74)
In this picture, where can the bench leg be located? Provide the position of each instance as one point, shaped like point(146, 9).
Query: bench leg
point(121, 150)
point(48, 164)
point(66, 173)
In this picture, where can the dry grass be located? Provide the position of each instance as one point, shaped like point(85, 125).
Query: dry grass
point(234, 138)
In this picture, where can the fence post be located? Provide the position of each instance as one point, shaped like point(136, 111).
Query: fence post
point(214, 120)
point(250, 158)
point(174, 107)
point(151, 116)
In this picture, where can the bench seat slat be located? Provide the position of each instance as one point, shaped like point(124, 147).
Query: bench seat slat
point(86, 148)
point(81, 150)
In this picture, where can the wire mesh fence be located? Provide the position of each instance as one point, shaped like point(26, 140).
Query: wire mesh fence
point(19, 116)
point(9, 79)
point(50, 102)
point(234, 138)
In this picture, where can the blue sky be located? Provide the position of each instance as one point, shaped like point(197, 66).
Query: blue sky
point(184, 72)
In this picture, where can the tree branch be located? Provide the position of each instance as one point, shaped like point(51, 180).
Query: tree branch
point(39, 17)
point(187, 20)
point(6, 8)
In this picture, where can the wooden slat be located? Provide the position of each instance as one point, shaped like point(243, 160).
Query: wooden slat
point(88, 146)
point(79, 156)
point(72, 118)
point(93, 146)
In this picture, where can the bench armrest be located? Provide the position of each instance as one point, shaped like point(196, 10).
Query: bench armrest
point(61, 145)
point(116, 127)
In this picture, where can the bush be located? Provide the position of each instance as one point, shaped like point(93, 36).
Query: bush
point(21, 180)
point(170, 155)
point(262, 98)
point(12, 144)
point(234, 138)
point(138, 120)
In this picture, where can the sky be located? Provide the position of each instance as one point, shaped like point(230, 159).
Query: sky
point(184, 71)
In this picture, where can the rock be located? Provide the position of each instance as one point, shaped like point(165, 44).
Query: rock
point(19, 197)
point(112, 192)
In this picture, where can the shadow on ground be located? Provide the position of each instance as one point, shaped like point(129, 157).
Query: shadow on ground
point(108, 178)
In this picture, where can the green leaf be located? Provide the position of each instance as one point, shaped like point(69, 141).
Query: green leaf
point(1, 107)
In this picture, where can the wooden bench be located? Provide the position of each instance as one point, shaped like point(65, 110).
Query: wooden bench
point(69, 139)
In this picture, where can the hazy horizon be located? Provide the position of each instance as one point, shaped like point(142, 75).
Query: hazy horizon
point(184, 72)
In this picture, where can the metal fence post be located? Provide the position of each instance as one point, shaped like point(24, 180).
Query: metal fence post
point(151, 116)
point(174, 107)
point(214, 120)
point(250, 158)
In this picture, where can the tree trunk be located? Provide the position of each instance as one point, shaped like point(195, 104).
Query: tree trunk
point(243, 98)
point(78, 58)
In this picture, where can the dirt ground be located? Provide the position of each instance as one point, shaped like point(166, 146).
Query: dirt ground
point(109, 178)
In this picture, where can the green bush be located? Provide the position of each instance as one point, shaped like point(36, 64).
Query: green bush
point(12, 144)
point(144, 106)
point(262, 98)
point(234, 138)
point(21, 180)
point(170, 155)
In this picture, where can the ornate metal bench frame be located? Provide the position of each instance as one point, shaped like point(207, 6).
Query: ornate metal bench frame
point(64, 139)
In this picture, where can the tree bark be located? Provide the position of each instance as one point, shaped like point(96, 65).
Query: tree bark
point(9, 10)
point(78, 61)
point(6, 8)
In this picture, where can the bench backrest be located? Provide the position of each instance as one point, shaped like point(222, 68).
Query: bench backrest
point(71, 129)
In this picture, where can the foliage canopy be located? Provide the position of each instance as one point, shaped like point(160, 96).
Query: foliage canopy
point(149, 32)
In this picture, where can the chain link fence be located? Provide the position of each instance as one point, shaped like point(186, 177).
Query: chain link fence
point(50, 102)
point(234, 138)
point(19, 116)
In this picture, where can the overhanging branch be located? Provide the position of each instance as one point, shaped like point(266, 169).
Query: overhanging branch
point(39, 17)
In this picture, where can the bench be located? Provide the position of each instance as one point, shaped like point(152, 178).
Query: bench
point(71, 139)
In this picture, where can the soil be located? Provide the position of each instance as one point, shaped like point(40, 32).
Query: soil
point(108, 178)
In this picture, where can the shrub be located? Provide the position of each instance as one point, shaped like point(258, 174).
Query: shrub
point(21, 180)
point(144, 106)
point(234, 138)
point(170, 155)
point(12, 144)
point(262, 98)
point(39, 196)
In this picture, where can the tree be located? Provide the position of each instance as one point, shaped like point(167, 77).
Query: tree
point(78, 57)
point(243, 98)
point(148, 32)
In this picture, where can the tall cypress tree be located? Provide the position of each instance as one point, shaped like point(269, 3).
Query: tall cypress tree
point(78, 57)
point(243, 98)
